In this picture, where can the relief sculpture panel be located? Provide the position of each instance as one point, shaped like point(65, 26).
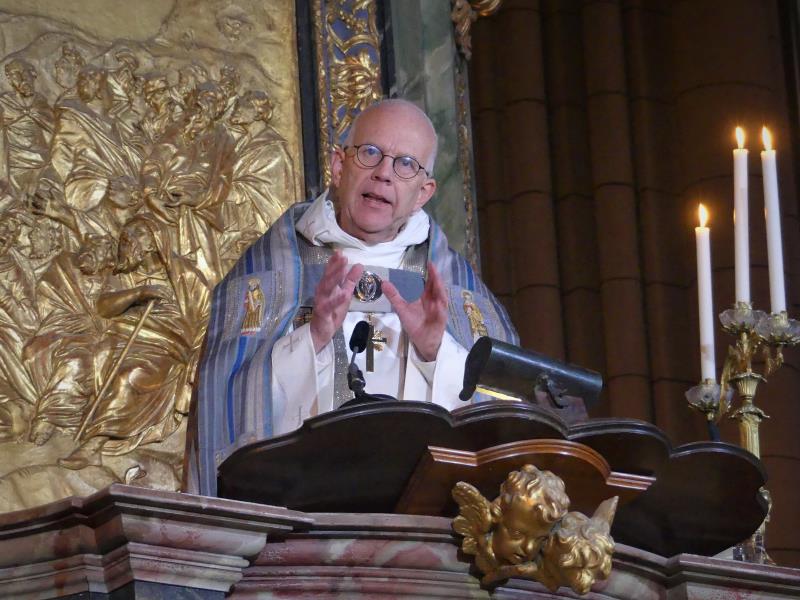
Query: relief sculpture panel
point(143, 146)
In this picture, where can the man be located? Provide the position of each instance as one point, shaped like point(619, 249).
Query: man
point(66, 70)
point(308, 264)
point(87, 149)
point(58, 354)
point(161, 108)
point(263, 166)
point(26, 121)
point(148, 359)
point(186, 178)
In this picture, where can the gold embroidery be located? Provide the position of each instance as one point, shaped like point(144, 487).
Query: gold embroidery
point(477, 324)
point(253, 307)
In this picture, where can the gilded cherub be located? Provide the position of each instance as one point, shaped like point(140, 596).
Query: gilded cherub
point(527, 532)
point(512, 529)
point(579, 550)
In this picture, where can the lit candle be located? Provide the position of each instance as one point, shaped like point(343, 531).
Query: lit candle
point(772, 213)
point(705, 303)
point(741, 227)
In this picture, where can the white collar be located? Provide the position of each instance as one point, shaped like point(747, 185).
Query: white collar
point(319, 226)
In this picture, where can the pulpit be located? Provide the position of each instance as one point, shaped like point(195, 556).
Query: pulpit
point(357, 504)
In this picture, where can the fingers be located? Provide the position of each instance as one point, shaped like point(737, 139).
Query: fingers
point(333, 274)
point(434, 286)
point(399, 304)
point(332, 298)
point(352, 278)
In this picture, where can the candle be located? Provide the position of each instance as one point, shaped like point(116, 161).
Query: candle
point(741, 227)
point(705, 304)
point(772, 213)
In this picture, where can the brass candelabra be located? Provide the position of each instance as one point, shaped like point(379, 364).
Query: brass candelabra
point(755, 332)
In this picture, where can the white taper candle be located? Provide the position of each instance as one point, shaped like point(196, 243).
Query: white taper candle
point(705, 302)
point(741, 225)
point(772, 213)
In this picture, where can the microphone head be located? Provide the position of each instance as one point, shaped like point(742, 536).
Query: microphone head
point(358, 341)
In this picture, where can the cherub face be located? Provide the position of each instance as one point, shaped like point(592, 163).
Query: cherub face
point(521, 531)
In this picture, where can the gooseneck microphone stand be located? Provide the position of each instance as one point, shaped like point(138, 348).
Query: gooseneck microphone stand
point(355, 378)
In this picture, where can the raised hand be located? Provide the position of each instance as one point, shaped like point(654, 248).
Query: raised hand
point(423, 320)
point(332, 299)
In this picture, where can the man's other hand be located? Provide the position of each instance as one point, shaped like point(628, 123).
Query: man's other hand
point(423, 320)
point(332, 299)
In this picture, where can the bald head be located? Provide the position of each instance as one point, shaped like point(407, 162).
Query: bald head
point(411, 114)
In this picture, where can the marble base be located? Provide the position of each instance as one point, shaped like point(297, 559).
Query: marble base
point(129, 543)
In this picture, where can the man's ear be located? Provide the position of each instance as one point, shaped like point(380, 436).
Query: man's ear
point(337, 163)
point(425, 193)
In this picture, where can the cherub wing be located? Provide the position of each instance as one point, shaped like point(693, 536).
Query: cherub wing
point(606, 511)
point(475, 516)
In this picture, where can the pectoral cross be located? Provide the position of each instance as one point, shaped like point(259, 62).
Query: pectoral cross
point(375, 342)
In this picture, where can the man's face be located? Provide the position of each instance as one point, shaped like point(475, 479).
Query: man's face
point(88, 85)
point(243, 112)
point(374, 203)
point(156, 93)
point(134, 245)
point(66, 73)
point(96, 254)
point(9, 230)
point(21, 79)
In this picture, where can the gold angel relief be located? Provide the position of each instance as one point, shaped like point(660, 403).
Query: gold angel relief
point(126, 193)
point(528, 532)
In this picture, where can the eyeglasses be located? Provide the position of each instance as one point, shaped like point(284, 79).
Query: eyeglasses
point(370, 156)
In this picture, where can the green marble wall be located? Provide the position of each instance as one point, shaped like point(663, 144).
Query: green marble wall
point(425, 62)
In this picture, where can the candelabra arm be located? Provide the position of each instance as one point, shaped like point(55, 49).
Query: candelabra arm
point(773, 362)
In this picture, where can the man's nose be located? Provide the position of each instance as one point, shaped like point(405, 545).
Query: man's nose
point(383, 170)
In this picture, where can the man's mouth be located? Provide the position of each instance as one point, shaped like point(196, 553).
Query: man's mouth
point(375, 198)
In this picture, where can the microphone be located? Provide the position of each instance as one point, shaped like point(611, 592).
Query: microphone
point(355, 378)
point(358, 343)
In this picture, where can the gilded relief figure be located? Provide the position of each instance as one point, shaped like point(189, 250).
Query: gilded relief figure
point(65, 72)
point(125, 101)
point(182, 93)
point(162, 111)
point(263, 167)
point(18, 321)
point(132, 174)
point(87, 148)
point(527, 532)
point(62, 352)
point(186, 178)
point(151, 387)
point(26, 120)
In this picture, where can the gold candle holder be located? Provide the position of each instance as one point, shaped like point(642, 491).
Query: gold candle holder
point(754, 331)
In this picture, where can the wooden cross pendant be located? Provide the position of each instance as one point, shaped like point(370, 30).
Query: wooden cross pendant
point(376, 342)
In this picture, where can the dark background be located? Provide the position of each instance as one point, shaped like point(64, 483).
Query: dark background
point(599, 125)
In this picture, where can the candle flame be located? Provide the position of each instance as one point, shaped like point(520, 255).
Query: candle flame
point(702, 214)
point(766, 137)
point(740, 137)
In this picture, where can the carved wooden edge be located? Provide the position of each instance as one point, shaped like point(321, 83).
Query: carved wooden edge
point(584, 433)
point(428, 489)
